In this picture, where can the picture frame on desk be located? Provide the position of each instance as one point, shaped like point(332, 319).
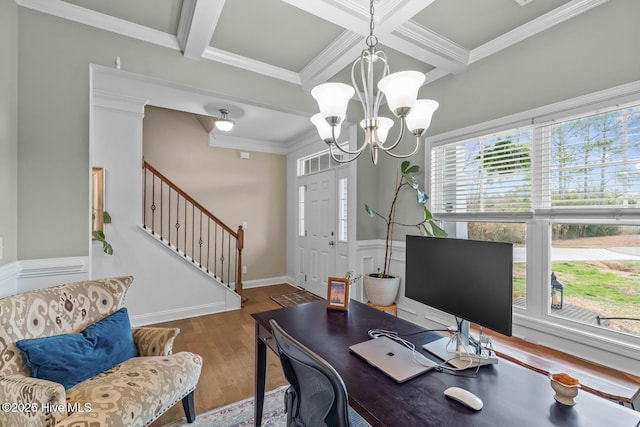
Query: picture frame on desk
point(338, 293)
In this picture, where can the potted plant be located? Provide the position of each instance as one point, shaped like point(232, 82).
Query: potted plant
point(381, 287)
point(99, 233)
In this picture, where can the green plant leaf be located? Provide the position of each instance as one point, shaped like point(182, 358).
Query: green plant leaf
point(106, 247)
point(368, 210)
point(427, 214)
point(426, 230)
point(412, 170)
point(437, 231)
point(106, 218)
point(98, 235)
point(403, 166)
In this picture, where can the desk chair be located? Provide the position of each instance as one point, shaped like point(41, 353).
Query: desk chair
point(317, 396)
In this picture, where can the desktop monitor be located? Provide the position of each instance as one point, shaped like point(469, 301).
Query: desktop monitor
point(469, 279)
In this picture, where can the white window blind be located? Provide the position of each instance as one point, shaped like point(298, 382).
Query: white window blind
point(591, 161)
point(487, 174)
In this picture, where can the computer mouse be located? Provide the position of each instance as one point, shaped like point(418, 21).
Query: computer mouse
point(465, 397)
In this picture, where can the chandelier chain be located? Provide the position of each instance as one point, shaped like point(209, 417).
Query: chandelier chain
point(372, 40)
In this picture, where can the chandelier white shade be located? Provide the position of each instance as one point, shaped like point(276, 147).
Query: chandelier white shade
point(400, 90)
point(419, 119)
point(324, 128)
point(333, 99)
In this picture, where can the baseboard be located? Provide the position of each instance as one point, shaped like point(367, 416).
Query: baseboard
point(176, 314)
point(265, 282)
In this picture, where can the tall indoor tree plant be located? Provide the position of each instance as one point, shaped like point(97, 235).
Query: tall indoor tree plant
point(381, 286)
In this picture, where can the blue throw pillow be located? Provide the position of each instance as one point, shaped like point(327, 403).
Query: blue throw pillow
point(72, 358)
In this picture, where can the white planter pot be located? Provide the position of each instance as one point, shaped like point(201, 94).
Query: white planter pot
point(381, 290)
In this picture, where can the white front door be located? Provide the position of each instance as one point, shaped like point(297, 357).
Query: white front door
point(321, 227)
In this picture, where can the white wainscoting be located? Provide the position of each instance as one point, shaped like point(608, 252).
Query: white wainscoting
point(27, 275)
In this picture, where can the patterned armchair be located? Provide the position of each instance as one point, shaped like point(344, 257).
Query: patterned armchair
point(132, 393)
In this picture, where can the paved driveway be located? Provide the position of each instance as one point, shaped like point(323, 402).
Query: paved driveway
point(585, 254)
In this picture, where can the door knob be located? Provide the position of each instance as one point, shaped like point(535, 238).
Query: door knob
point(331, 243)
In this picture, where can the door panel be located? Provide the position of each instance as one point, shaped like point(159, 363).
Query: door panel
point(320, 210)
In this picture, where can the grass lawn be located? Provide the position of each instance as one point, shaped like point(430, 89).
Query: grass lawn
point(611, 289)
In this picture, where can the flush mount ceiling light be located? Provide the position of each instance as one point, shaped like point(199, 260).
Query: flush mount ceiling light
point(224, 123)
point(400, 90)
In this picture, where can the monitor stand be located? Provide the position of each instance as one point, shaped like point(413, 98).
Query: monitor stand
point(456, 359)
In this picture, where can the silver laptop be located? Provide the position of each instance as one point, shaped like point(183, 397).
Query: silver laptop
point(392, 358)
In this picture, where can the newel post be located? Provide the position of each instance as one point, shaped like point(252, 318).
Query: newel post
point(240, 245)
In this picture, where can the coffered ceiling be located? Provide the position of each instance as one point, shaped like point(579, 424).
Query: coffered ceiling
point(307, 42)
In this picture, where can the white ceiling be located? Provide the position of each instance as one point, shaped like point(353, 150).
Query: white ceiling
point(307, 42)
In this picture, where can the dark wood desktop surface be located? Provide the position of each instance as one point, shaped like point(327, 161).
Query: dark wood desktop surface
point(512, 394)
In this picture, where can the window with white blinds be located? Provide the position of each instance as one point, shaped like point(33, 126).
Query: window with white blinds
point(486, 174)
point(592, 161)
point(587, 162)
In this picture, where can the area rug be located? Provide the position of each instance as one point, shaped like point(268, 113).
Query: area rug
point(240, 414)
point(299, 297)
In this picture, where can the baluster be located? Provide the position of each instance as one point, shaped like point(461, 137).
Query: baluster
point(144, 199)
point(153, 205)
point(208, 241)
point(222, 257)
point(185, 229)
point(161, 211)
point(200, 241)
point(169, 220)
point(178, 220)
point(193, 230)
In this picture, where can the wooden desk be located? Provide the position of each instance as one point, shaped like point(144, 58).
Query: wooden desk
point(600, 380)
point(512, 395)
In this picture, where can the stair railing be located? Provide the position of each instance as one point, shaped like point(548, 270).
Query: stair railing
point(197, 234)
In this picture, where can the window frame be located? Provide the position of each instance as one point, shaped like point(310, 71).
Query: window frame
point(535, 316)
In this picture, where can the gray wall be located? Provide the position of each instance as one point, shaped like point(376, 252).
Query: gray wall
point(53, 129)
point(8, 130)
point(594, 51)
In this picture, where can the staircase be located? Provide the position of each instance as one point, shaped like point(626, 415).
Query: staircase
point(191, 231)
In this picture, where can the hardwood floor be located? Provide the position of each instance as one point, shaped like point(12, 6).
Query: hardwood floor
point(226, 342)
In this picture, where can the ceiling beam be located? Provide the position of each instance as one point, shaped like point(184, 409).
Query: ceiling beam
point(340, 53)
point(249, 64)
point(428, 46)
point(198, 20)
point(391, 27)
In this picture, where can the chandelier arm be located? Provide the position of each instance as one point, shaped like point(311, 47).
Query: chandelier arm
point(404, 156)
point(343, 161)
point(385, 72)
point(397, 141)
point(353, 81)
point(335, 142)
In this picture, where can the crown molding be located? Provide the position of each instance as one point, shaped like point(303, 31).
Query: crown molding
point(344, 13)
point(395, 13)
point(428, 46)
point(337, 55)
point(220, 140)
point(544, 22)
point(89, 17)
point(118, 102)
point(629, 92)
point(434, 75)
point(234, 60)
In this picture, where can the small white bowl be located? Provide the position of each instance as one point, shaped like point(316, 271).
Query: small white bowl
point(565, 394)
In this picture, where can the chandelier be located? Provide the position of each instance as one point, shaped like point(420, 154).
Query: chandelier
point(400, 90)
